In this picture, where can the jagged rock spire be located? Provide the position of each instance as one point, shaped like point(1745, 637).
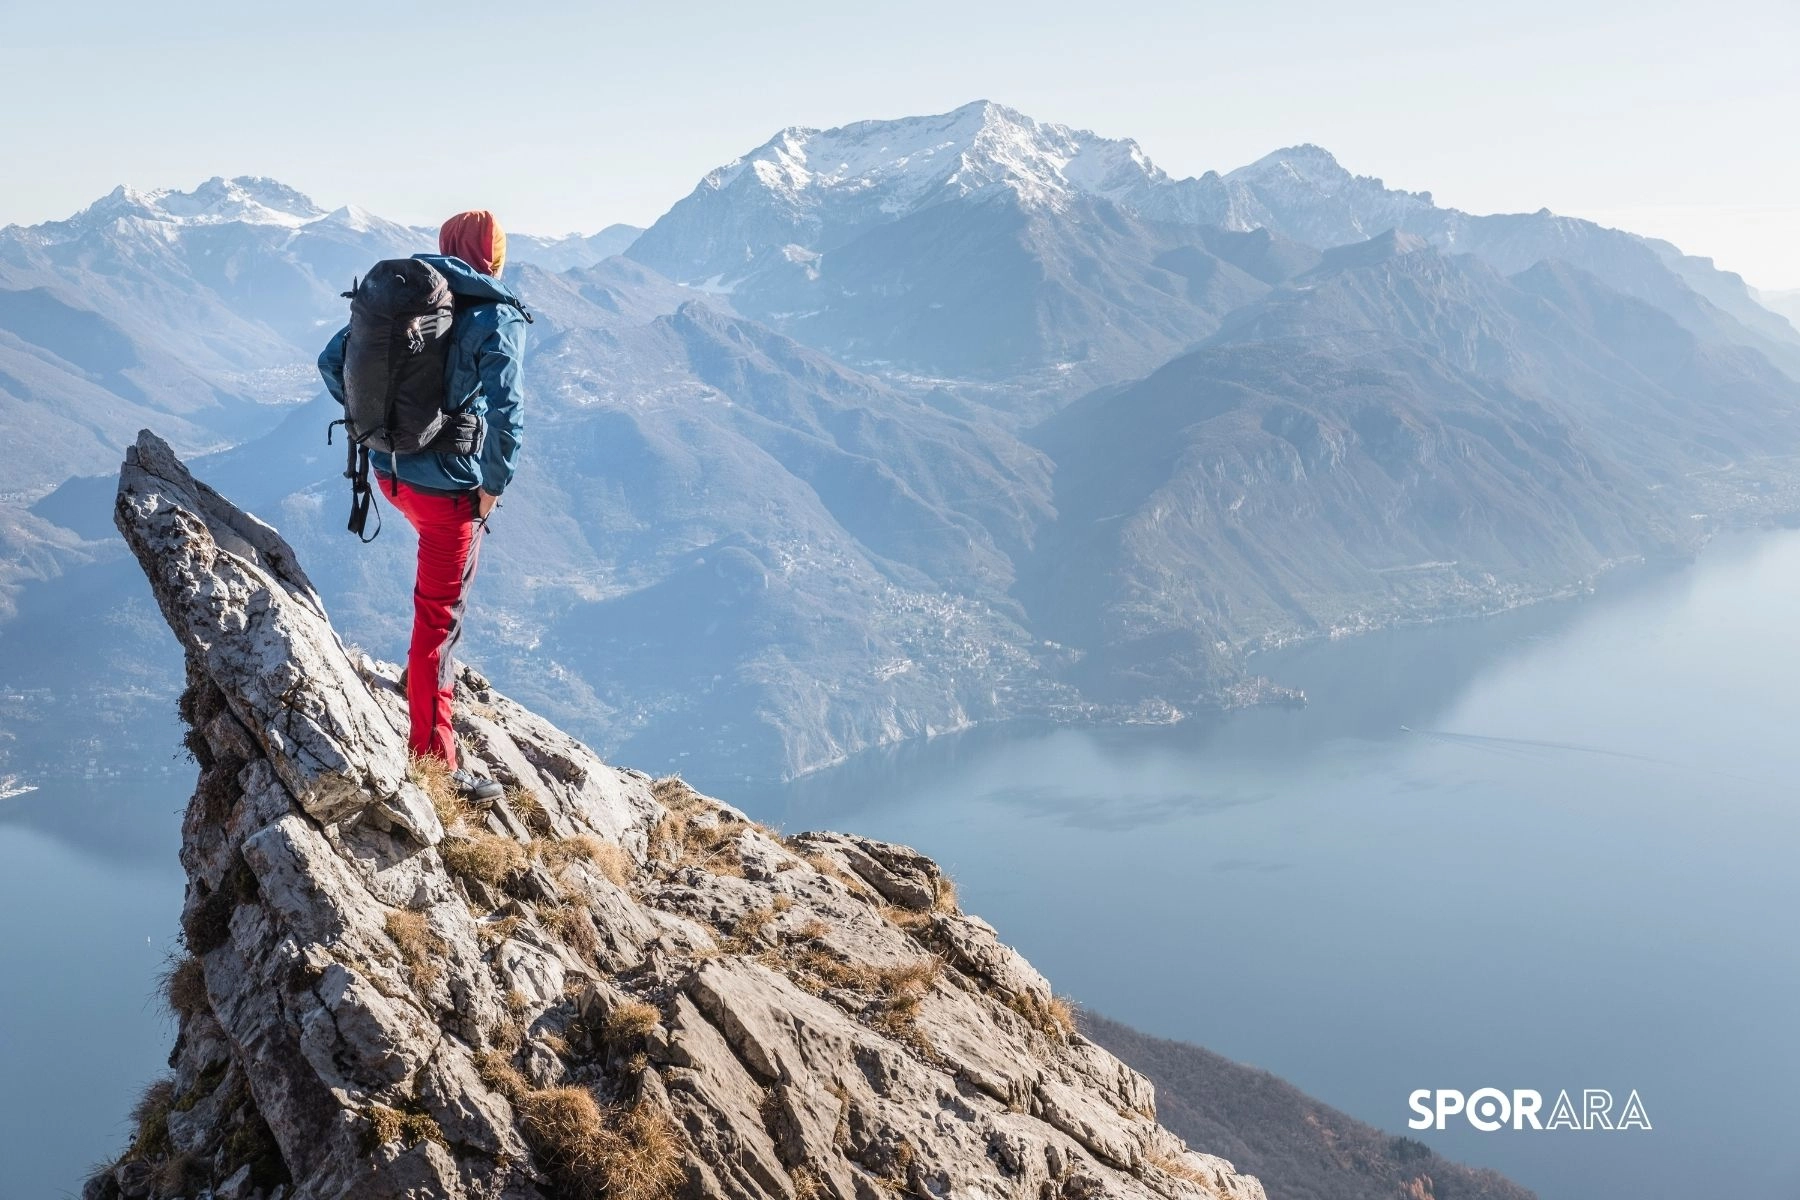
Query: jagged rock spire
point(606, 985)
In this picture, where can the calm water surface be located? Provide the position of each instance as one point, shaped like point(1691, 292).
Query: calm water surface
point(1580, 868)
point(1575, 868)
point(91, 892)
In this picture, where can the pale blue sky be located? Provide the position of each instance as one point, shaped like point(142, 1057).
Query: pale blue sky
point(1676, 119)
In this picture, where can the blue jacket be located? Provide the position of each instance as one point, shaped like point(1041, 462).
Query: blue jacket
point(487, 349)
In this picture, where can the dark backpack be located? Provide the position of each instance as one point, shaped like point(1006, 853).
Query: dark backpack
point(395, 354)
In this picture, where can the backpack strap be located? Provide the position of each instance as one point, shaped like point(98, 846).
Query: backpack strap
point(362, 496)
point(464, 303)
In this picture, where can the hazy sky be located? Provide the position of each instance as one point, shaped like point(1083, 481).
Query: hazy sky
point(1675, 119)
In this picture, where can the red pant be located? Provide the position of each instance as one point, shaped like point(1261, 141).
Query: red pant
point(449, 542)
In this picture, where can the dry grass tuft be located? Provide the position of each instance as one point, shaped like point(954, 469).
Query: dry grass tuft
point(609, 859)
point(1054, 1017)
point(631, 1021)
point(896, 991)
point(391, 1125)
point(1180, 1168)
point(433, 775)
point(497, 1071)
point(648, 1164)
point(420, 949)
point(508, 1034)
point(711, 846)
point(900, 1169)
point(819, 969)
point(185, 987)
point(748, 930)
point(945, 901)
point(909, 919)
point(668, 840)
point(180, 1174)
point(573, 927)
point(900, 991)
point(206, 920)
point(150, 1116)
point(913, 977)
point(824, 864)
point(840, 1134)
point(529, 808)
point(806, 1183)
point(693, 833)
point(673, 792)
point(630, 1154)
point(492, 933)
point(217, 790)
point(483, 855)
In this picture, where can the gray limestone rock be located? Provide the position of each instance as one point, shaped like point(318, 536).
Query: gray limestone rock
point(607, 984)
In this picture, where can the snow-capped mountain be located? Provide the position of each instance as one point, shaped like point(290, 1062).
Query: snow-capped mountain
point(248, 200)
point(808, 191)
point(1308, 195)
point(888, 241)
point(818, 188)
point(977, 243)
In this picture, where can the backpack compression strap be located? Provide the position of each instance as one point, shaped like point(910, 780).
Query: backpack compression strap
point(362, 496)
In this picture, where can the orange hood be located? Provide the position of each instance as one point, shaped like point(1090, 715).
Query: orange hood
point(476, 238)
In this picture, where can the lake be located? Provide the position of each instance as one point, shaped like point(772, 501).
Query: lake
point(1579, 868)
point(91, 890)
point(1554, 849)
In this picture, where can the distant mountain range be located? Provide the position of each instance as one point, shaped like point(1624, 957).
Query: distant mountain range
point(894, 428)
point(984, 242)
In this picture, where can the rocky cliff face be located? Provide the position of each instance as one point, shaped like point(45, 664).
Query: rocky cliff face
point(606, 985)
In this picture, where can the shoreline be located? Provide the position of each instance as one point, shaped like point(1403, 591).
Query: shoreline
point(1617, 579)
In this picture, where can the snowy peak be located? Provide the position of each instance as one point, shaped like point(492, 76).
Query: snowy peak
point(1304, 191)
point(1313, 169)
point(251, 210)
point(253, 199)
point(247, 199)
point(914, 160)
point(809, 192)
point(1305, 163)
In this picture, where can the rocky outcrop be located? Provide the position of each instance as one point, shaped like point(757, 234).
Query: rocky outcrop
point(604, 985)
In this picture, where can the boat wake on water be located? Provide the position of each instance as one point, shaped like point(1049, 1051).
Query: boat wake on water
point(1538, 748)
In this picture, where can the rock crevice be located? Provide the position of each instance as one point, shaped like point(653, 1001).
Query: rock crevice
point(604, 985)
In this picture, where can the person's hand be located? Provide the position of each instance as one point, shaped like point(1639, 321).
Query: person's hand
point(484, 502)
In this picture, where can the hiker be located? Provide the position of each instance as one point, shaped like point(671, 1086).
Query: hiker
point(447, 489)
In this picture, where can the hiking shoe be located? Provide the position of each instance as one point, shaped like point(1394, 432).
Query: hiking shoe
point(476, 789)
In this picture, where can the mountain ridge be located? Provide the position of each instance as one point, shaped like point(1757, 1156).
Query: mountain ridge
point(771, 207)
